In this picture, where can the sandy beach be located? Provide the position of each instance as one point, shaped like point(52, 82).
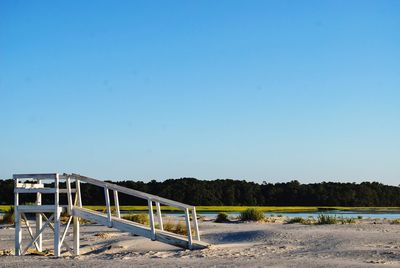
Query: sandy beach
point(368, 243)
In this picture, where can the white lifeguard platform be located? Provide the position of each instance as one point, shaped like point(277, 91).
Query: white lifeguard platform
point(49, 183)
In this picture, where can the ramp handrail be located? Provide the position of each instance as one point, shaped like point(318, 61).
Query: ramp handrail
point(149, 197)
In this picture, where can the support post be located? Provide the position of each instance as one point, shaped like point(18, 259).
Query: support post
point(196, 224)
point(151, 216)
point(57, 245)
point(188, 228)
point(76, 227)
point(159, 216)
point(116, 204)
point(39, 220)
point(17, 222)
point(76, 236)
point(18, 232)
point(108, 207)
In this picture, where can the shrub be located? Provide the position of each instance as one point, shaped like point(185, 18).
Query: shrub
point(177, 228)
point(222, 217)
point(395, 221)
point(8, 216)
point(252, 214)
point(295, 220)
point(326, 219)
point(139, 218)
point(343, 220)
point(300, 220)
point(359, 217)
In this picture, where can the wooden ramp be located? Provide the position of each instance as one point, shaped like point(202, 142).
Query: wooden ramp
point(35, 184)
point(137, 229)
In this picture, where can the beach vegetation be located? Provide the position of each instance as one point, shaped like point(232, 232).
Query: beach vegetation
point(222, 217)
point(139, 218)
point(395, 221)
point(177, 228)
point(252, 214)
point(326, 219)
point(300, 220)
point(8, 217)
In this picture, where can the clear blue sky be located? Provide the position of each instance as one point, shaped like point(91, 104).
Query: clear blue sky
point(255, 90)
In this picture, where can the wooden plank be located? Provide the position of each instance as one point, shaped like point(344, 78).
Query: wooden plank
point(36, 208)
point(65, 191)
point(35, 190)
point(30, 185)
point(35, 176)
point(132, 192)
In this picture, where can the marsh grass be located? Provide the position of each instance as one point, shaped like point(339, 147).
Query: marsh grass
point(395, 221)
point(139, 218)
point(252, 214)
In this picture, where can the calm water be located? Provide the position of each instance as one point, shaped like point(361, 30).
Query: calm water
point(338, 213)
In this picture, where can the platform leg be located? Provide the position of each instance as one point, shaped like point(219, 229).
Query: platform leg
point(76, 236)
point(18, 232)
point(39, 242)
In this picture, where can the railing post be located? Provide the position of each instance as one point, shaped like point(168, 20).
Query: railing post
point(188, 228)
point(116, 204)
point(196, 225)
point(159, 216)
point(151, 217)
point(69, 195)
point(39, 220)
point(107, 196)
point(57, 246)
point(78, 192)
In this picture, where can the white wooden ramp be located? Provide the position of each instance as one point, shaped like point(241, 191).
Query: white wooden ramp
point(34, 183)
point(137, 229)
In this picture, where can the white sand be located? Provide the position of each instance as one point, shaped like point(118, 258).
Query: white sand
point(234, 244)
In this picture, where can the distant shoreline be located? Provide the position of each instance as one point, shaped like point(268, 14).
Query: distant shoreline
point(4, 208)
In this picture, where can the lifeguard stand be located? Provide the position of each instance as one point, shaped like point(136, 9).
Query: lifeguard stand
point(49, 183)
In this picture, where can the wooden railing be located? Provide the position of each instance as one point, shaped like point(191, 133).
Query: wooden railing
point(187, 209)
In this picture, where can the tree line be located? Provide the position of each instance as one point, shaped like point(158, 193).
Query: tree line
point(227, 192)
